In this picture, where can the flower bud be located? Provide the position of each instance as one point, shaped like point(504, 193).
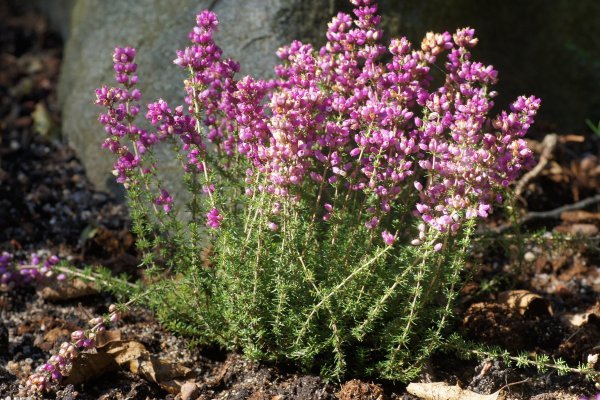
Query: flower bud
point(114, 317)
point(77, 335)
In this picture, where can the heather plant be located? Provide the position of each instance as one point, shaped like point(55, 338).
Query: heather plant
point(42, 270)
point(330, 208)
point(38, 269)
point(50, 374)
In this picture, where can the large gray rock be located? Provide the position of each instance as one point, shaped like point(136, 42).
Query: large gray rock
point(250, 31)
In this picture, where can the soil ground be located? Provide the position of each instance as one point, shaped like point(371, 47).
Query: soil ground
point(533, 293)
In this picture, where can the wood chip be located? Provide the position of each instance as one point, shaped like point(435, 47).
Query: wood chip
point(578, 229)
point(579, 216)
point(443, 391)
point(358, 390)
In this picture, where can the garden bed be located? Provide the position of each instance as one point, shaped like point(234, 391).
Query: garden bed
point(47, 205)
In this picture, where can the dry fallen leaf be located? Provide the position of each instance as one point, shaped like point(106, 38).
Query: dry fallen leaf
point(580, 319)
point(49, 339)
point(113, 353)
point(572, 138)
point(591, 315)
point(105, 337)
point(443, 391)
point(90, 365)
point(189, 390)
point(526, 303)
point(134, 356)
point(42, 120)
point(65, 290)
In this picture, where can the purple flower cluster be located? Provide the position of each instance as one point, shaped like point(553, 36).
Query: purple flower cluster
point(596, 397)
point(60, 364)
point(353, 115)
point(164, 200)
point(213, 218)
point(6, 268)
point(209, 91)
point(125, 139)
point(34, 270)
point(341, 115)
point(121, 111)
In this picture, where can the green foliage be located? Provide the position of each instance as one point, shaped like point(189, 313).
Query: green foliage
point(328, 296)
point(541, 362)
point(594, 127)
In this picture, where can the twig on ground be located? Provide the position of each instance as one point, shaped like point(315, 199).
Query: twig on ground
point(548, 146)
point(551, 214)
point(89, 277)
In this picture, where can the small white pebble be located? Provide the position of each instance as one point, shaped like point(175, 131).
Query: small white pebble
point(529, 256)
point(189, 390)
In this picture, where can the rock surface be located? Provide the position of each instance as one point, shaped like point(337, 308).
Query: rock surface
point(250, 31)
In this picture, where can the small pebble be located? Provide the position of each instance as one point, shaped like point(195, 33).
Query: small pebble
point(529, 256)
point(189, 390)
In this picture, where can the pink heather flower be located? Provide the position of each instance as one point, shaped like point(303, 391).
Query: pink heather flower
point(354, 114)
point(276, 208)
point(164, 200)
point(465, 37)
point(595, 397)
point(124, 66)
point(372, 223)
point(48, 375)
point(437, 247)
point(213, 218)
point(388, 238)
point(114, 317)
point(36, 269)
point(273, 226)
point(53, 260)
point(483, 210)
